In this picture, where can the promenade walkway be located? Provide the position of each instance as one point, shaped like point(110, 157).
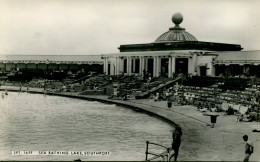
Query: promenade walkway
point(200, 142)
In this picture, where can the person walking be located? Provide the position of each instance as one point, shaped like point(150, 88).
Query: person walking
point(249, 148)
point(176, 142)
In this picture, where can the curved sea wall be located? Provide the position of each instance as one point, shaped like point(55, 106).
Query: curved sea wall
point(103, 99)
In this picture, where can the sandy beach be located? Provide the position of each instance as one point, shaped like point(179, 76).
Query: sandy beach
point(200, 142)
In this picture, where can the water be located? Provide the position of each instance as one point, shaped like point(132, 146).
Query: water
point(38, 122)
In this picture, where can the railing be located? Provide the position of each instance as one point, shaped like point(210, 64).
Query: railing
point(153, 90)
point(164, 155)
point(80, 79)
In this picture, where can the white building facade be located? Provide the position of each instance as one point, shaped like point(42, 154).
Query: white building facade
point(159, 63)
point(175, 51)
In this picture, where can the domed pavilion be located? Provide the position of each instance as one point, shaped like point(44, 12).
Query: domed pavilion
point(173, 52)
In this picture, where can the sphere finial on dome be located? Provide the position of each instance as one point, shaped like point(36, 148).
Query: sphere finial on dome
point(177, 18)
point(176, 33)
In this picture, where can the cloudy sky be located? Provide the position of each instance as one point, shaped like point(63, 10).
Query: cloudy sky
point(87, 27)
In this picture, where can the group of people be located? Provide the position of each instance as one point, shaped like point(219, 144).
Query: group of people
point(247, 117)
point(208, 107)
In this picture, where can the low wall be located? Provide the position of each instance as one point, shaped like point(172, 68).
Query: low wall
point(122, 103)
point(92, 92)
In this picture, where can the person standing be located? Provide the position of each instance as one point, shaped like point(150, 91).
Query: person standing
point(20, 87)
point(176, 142)
point(249, 148)
point(167, 95)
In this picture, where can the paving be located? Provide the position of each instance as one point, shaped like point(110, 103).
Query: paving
point(200, 142)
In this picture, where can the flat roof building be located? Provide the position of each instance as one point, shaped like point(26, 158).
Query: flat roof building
point(49, 62)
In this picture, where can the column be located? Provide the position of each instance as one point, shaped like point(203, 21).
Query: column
point(107, 72)
point(143, 65)
point(170, 67)
point(195, 56)
point(127, 65)
point(173, 65)
point(133, 70)
point(130, 65)
point(158, 64)
point(117, 65)
point(154, 66)
point(140, 65)
point(104, 66)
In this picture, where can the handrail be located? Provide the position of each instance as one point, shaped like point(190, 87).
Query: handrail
point(146, 93)
point(80, 79)
point(158, 145)
point(165, 153)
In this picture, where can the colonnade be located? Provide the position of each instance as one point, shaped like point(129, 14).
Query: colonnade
point(42, 66)
point(237, 69)
point(117, 65)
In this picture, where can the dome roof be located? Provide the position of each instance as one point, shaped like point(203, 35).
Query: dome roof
point(176, 33)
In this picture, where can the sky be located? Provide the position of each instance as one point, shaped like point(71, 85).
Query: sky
point(94, 27)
